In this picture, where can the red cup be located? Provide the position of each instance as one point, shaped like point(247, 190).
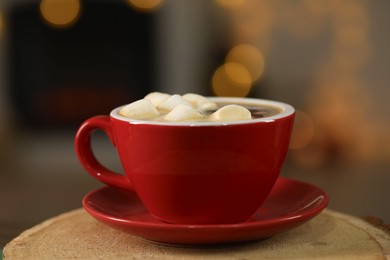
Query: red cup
point(194, 172)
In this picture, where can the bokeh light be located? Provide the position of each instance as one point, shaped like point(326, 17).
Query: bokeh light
point(60, 13)
point(248, 56)
point(303, 131)
point(2, 23)
point(230, 3)
point(238, 74)
point(231, 79)
point(254, 22)
point(145, 5)
point(304, 19)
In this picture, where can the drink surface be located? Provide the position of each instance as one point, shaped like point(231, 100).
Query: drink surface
point(256, 111)
point(161, 107)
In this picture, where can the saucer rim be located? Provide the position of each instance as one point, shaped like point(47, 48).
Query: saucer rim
point(291, 217)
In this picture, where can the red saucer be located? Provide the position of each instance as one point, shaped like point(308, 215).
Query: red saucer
point(290, 204)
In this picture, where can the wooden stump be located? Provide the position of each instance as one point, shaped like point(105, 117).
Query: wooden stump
point(77, 235)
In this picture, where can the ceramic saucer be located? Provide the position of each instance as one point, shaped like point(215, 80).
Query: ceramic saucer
point(290, 204)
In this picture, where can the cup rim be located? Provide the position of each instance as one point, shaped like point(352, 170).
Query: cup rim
point(287, 110)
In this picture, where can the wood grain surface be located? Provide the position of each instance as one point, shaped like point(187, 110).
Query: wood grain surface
point(77, 235)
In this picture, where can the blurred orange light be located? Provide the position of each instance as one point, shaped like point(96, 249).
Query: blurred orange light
point(249, 57)
point(60, 13)
point(230, 3)
point(238, 73)
point(303, 131)
point(1, 22)
point(145, 5)
point(231, 79)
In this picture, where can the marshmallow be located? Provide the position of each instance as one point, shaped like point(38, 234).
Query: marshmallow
point(172, 102)
point(157, 98)
point(200, 102)
point(231, 113)
point(207, 106)
point(195, 99)
point(140, 109)
point(183, 113)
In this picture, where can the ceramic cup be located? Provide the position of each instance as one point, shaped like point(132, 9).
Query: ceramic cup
point(194, 172)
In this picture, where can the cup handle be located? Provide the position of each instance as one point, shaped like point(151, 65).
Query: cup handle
point(88, 159)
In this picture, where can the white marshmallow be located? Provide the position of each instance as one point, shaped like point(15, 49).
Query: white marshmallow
point(172, 102)
point(183, 113)
point(200, 102)
point(140, 109)
point(157, 97)
point(207, 106)
point(195, 99)
point(231, 113)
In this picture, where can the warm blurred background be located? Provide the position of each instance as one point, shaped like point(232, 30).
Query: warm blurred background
point(62, 61)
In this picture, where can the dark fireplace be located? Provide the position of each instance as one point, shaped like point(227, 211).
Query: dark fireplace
point(60, 76)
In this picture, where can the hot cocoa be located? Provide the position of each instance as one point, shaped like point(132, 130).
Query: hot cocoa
point(162, 107)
